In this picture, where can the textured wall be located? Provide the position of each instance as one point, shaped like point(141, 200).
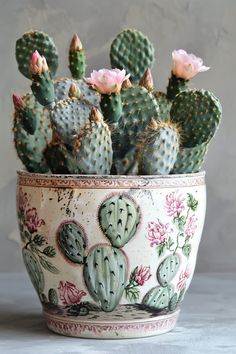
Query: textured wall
point(206, 27)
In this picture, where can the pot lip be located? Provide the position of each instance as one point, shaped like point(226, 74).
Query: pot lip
point(32, 175)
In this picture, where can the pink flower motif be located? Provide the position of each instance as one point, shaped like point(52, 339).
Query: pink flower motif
point(174, 204)
point(158, 232)
point(32, 221)
point(18, 102)
point(191, 226)
point(107, 81)
point(22, 200)
point(69, 294)
point(186, 66)
point(38, 64)
point(142, 275)
point(184, 275)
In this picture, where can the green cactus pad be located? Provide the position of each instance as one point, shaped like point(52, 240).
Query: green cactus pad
point(105, 275)
point(62, 87)
point(139, 106)
point(59, 159)
point(132, 51)
point(198, 113)
point(126, 165)
point(159, 149)
point(173, 302)
point(68, 117)
point(34, 270)
point(190, 160)
point(164, 105)
point(168, 269)
point(30, 147)
point(94, 149)
point(31, 41)
point(77, 64)
point(72, 242)
point(52, 296)
point(28, 119)
point(43, 88)
point(158, 298)
point(111, 107)
point(119, 217)
point(175, 86)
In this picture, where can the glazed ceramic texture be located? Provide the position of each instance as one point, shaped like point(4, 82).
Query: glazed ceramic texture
point(110, 256)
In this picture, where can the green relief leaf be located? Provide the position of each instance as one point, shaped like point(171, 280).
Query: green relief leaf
point(27, 235)
point(48, 265)
point(180, 222)
point(192, 203)
point(49, 251)
point(161, 249)
point(132, 275)
point(39, 240)
point(181, 295)
point(187, 249)
point(169, 243)
point(132, 294)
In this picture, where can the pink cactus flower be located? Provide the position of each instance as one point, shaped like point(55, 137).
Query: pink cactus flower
point(186, 66)
point(18, 102)
point(22, 200)
point(38, 64)
point(184, 275)
point(158, 232)
point(32, 221)
point(107, 81)
point(191, 226)
point(142, 275)
point(69, 294)
point(174, 204)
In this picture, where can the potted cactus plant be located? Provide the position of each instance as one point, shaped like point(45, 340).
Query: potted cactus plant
point(112, 203)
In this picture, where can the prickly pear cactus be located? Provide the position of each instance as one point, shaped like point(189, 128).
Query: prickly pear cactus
point(72, 242)
point(31, 41)
point(105, 275)
point(164, 105)
point(52, 296)
point(198, 113)
point(168, 269)
point(34, 270)
point(119, 217)
point(139, 106)
point(59, 159)
point(158, 298)
point(30, 147)
point(132, 51)
point(173, 303)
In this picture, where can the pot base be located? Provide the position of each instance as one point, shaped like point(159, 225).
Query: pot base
point(111, 329)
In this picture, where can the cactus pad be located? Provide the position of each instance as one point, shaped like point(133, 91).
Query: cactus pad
point(168, 269)
point(119, 218)
point(190, 160)
point(198, 112)
point(59, 159)
point(72, 242)
point(132, 51)
point(52, 296)
point(30, 147)
point(175, 86)
point(105, 275)
point(31, 41)
point(34, 270)
point(158, 298)
point(62, 87)
point(173, 302)
point(139, 106)
point(164, 105)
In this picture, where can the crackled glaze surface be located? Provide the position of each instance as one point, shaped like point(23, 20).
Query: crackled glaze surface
point(110, 257)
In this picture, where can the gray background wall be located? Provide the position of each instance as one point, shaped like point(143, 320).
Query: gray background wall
point(205, 27)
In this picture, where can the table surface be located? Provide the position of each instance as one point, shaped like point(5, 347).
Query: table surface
point(207, 323)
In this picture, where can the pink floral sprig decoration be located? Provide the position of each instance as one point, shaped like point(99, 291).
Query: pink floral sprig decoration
point(139, 276)
point(69, 294)
point(108, 83)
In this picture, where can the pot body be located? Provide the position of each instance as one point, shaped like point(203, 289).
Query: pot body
point(110, 256)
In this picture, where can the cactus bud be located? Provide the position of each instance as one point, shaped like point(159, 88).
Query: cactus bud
point(147, 80)
point(75, 45)
point(95, 115)
point(18, 102)
point(152, 124)
point(127, 84)
point(74, 91)
point(38, 64)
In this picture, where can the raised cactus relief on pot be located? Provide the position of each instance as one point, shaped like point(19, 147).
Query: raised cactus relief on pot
point(119, 217)
point(168, 269)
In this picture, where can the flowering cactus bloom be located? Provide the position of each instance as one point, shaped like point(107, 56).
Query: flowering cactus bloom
point(107, 81)
point(18, 102)
point(186, 66)
point(69, 294)
point(38, 64)
point(142, 275)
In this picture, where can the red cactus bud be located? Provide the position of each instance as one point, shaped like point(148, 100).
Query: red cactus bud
point(74, 91)
point(95, 115)
point(18, 102)
point(147, 80)
point(75, 45)
point(126, 84)
point(38, 64)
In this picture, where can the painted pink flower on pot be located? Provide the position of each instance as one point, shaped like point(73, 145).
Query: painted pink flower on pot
point(22, 200)
point(174, 204)
point(184, 275)
point(69, 294)
point(32, 221)
point(191, 226)
point(139, 276)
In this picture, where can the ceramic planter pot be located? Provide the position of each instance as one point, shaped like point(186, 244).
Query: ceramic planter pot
point(110, 256)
